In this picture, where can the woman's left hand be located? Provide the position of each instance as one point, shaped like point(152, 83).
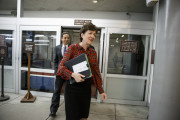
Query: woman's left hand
point(104, 96)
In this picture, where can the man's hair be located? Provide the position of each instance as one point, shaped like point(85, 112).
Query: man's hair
point(86, 27)
point(64, 34)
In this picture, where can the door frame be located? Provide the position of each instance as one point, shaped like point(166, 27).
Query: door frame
point(105, 63)
point(14, 58)
point(57, 29)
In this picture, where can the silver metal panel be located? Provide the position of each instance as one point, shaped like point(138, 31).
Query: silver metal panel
point(164, 104)
point(125, 89)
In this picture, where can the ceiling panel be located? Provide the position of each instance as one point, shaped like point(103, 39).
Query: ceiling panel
point(79, 5)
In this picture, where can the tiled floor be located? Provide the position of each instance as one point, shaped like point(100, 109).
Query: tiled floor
point(13, 109)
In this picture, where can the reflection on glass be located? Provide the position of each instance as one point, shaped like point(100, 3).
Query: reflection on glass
point(37, 82)
point(45, 42)
point(128, 63)
point(8, 42)
point(8, 8)
point(8, 78)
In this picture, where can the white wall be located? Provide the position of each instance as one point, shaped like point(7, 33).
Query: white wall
point(90, 15)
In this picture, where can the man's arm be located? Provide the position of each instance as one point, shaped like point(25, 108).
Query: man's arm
point(56, 60)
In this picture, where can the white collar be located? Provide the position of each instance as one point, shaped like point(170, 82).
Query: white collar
point(64, 45)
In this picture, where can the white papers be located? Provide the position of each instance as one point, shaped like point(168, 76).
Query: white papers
point(80, 67)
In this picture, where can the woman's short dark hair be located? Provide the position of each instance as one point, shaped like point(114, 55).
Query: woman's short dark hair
point(86, 27)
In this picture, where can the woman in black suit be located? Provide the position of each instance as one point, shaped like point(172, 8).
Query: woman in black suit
point(78, 95)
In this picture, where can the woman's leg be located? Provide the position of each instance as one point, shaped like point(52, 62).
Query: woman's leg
point(71, 106)
point(85, 100)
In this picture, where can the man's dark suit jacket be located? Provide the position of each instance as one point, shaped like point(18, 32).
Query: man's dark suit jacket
point(58, 57)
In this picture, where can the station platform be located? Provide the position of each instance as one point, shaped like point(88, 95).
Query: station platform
point(13, 109)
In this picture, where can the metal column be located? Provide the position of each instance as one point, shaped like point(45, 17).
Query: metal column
point(164, 104)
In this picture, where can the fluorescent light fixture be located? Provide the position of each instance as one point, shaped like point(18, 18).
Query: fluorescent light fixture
point(7, 35)
point(117, 40)
point(53, 36)
point(41, 40)
point(9, 38)
point(39, 35)
point(95, 1)
point(42, 44)
point(28, 40)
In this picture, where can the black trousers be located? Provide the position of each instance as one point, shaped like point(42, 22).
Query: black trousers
point(77, 100)
point(56, 95)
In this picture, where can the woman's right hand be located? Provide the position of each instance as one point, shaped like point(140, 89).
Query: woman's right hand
point(78, 77)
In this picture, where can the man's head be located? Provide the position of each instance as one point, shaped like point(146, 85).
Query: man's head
point(86, 27)
point(65, 38)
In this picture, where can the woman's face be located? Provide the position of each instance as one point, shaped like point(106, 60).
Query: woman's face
point(88, 37)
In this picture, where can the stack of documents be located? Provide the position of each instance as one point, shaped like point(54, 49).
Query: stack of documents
point(79, 64)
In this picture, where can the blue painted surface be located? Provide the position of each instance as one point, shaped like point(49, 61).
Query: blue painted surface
point(42, 83)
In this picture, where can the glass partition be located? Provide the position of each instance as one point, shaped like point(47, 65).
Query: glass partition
point(45, 42)
point(8, 78)
point(41, 60)
point(127, 65)
point(8, 61)
point(38, 81)
point(128, 62)
point(8, 8)
point(9, 43)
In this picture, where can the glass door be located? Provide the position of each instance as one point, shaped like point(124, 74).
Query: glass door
point(127, 65)
point(9, 40)
point(42, 60)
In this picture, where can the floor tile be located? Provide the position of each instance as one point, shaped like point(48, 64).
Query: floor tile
point(101, 117)
point(132, 111)
point(102, 108)
point(61, 106)
point(59, 116)
point(128, 118)
point(13, 109)
point(12, 97)
point(24, 111)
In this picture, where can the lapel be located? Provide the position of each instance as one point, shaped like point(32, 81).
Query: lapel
point(60, 47)
point(60, 50)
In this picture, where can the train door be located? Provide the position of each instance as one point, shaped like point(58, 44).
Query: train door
point(127, 65)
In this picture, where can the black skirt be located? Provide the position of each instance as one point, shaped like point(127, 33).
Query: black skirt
point(77, 100)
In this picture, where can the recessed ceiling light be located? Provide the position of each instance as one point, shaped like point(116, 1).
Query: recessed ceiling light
point(95, 1)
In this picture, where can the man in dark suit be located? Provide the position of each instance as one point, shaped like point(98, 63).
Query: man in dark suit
point(59, 50)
